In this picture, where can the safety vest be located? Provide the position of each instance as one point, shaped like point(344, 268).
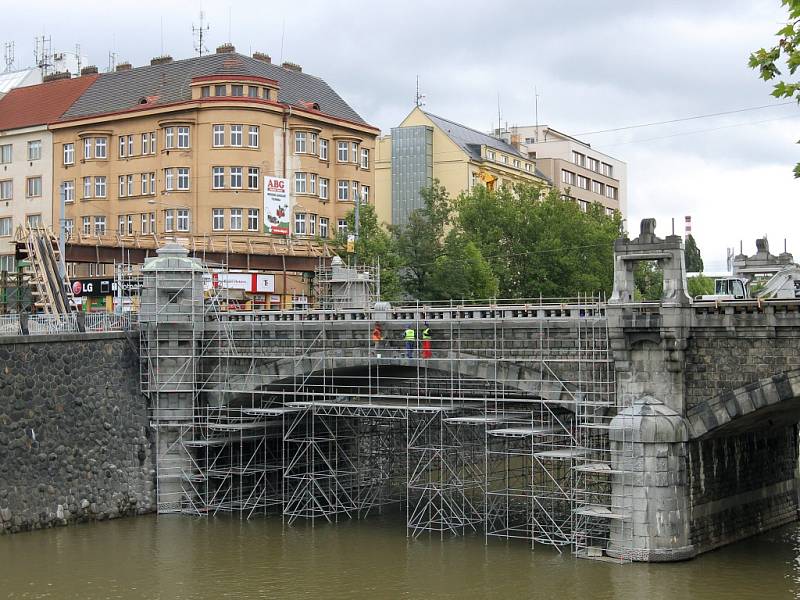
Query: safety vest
point(409, 335)
point(426, 333)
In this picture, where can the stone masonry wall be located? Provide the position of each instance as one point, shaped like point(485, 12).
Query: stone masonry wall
point(75, 443)
point(741, 485)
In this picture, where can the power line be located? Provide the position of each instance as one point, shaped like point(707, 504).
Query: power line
point(694, 118)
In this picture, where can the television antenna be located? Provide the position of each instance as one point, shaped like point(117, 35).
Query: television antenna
point(8, 56)
point(199, 33)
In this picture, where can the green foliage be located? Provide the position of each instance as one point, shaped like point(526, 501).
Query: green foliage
point(538, 243)
point(787, 50)
point(700, 285)
point(649, 281)
point(461, 272)
point(694, 262)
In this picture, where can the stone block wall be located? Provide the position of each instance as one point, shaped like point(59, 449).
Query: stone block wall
point(741, 485)
point(75, 441)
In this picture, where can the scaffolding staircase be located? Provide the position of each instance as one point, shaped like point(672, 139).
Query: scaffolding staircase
point(45, 270)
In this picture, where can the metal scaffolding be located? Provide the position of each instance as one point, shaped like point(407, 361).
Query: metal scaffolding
point(501, 427)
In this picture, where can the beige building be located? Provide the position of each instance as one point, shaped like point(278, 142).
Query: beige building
point(425, 147)
point(183, 149)
point(589, 175)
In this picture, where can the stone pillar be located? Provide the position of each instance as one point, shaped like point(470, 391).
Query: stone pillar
point(649, 445)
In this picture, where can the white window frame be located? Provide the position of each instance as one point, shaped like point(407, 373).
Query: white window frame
point(99, 225)
point(218, 178)
point(183, 220)
point(364, 194)
point(7, 190)
point(354, 151)
point(253, 136)
point(169, 179)
point(87, 225)
point(184, 140)
point(218, 136)
point(343, 190)
point(236, 135)
point(217, 219)
point(145, 143)
point(323, 187)
point(87, 148)
point(253, 178)
point(341, 226)
point(31, 190)
point(69, 154)
point(300, 179)
point(100, 186)
point(312, 183)
point(6, 227)
point(145, 184)
point(169, 220)
point(100, 147)
point(323, 149)
point(365, 158)
point(300, 142)
point(236, 219)
point(236, 178)
point(323, 227)
point(131, 191)
point(87, 187)
point(252, 219)
point(342, 152)
point(35, 150)
point(300, 223)
point(153, 142)
point(184, 179)
point(68, 190)
point(123, 186)
point(169, 138)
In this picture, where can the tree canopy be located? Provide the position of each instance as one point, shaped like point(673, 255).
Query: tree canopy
point(694, 262)
point(785, 51)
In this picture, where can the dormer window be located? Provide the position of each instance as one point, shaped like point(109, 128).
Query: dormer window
point(205, 91)
point(237, 90)
point(219, 90)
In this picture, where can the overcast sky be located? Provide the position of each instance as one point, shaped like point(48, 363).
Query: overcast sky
point(596, 64)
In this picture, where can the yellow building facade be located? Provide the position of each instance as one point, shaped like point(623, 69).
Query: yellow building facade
point(425, 147)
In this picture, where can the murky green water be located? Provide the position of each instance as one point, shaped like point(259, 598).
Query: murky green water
point(181, 557)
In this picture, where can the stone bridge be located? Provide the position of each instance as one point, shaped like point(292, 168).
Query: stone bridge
point(708, 394)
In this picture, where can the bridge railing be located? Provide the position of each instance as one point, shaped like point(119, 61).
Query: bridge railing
point(12, 325)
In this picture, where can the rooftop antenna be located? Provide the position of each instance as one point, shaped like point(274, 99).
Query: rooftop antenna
point(536, 109)
point(112, 61)
point(8, 55)
point(43, 54)
point(78, 58)
point(419, 99)
point(498, 115)
point(198, 32)
point(283, 33)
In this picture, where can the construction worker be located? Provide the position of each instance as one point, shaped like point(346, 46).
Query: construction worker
point(409, 336)
point(426, 341)
point(377, 337)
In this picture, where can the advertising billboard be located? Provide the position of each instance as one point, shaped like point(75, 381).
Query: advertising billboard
point(276, 206)
point(257, 283)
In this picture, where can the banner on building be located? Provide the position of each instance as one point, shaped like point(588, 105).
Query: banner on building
point(255, 283)
point(276, 206)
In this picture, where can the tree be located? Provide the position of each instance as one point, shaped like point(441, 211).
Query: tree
point(374, 246)
point(461, 272)
point(648, 279)
point(787, 50)
point(538, 243)
point(700, 285)
point(694, 262)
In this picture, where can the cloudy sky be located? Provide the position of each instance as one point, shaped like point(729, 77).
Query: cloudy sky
point(597, 65)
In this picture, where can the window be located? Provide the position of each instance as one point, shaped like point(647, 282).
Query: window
point(323, 188)
point(121, 224)
point(252, 136)
point(100, 148)
point(129, 223)
point(7, 262)
point(299, 142)
point(609, 212)
point(67, 189)
point(5, 226)
point(183, 137)
point(183, 178)
point(582, 182)
point(218, 177)
point(219, 136)
point(130, 185)
point(87, 148)
point(169, 137)
point(312, 183)
point(312, 138)
point(252, 91)
point(592, 164)
point(130, 145)
point(252, 219)
point(236, 177)
point(33, 187)
point(87, 225)
point(236, 135)
point(218, 219)
point(145, 190)
point(312, 224)
point(69, 154)
point(123, 146)
point(528, 167)
point(152, 142)
point(153, 184)
point(236, 219)
point(169, 179)
point(252, 178)
point(356, 195)
point(144, 220)
point(607, 169)
point(100, 186)
point(266, 94)
point(123, 187)
point(578, 158)
point(6, 189)
point(99, 225)
point(68, 227)
point(355, 152)
point(583, 205)
point(516, 164)
point(183, 219)
point(152, 222)
point(342, 152)
point(343, 187)
point(5, 153)
point(323, 149)
point(219, 90)
point(341, 226)
point(567, 177)
point(145, 143)
point(490, 154)
point(237, 90)
point(323, 227)
point(205, 91)
point(365, 194)
point(35, 150)
point(299, 183)
point(300, 224)
point(504, 159)
point(87, 187)
point(364, 158)
point(611, 192)
point(34, 220)
point(169, 220)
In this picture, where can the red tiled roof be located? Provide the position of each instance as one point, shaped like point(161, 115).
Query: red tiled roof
point(41, 104)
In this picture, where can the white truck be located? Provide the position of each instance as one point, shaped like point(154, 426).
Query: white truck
point(783, 285)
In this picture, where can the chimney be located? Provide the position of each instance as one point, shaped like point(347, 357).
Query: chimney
point(290, 66)
point(124, 66)
point(263, 57)
point(161, 60)
point(226, 48)
point(56, 76)
point(90, 70)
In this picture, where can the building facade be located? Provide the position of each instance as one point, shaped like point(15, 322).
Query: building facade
point(425, 147)
point(589, 175)
point(183, 150)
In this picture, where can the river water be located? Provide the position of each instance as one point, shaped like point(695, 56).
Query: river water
point(182, 557)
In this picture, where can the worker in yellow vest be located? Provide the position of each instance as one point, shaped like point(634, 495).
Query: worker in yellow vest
point(426, 342)
point(409, 336)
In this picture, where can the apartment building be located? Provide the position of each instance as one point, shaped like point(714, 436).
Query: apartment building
point(425, 147)
point(26, 156)
point(184, 150)
point(589, 175)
